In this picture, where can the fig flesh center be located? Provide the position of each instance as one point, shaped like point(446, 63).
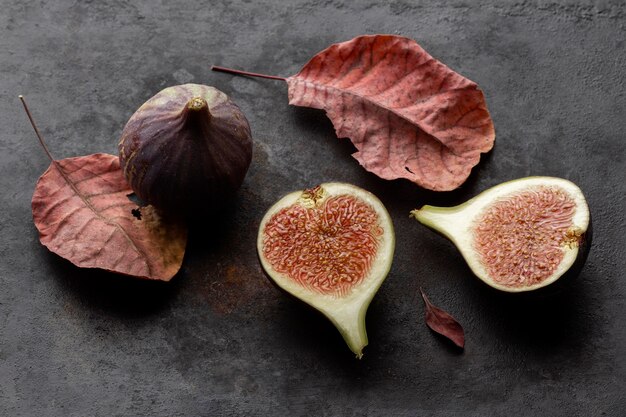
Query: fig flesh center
point(521, 240)
point(326, 245)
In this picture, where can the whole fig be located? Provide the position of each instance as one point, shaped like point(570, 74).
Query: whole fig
point(186, 150)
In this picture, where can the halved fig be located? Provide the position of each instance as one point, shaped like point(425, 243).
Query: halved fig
point(518, 236)
point(331, 246)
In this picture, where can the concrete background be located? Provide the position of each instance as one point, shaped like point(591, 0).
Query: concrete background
point(219, 339)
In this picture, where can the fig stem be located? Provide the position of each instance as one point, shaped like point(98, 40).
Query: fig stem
point(246, 73)
point(437, 218)
point(197, 103)
point(32, 123)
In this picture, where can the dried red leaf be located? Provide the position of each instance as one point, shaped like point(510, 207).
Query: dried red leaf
point(82, 211)
point(443, 323)
point(408, 115)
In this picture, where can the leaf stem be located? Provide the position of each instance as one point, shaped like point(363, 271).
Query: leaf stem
point(246, 73)
point(32, 122)
point(73, 186)
point(53, 161)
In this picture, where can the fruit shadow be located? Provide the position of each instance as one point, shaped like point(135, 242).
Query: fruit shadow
point(310, 332)
point(128, 297)
point(541, 321)
point(116, 294)
point(315, 122)
point(208, 231)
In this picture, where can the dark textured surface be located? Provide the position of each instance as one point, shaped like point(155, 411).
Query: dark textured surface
point(219, 339)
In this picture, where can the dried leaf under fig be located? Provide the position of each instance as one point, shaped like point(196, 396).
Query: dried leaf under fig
point(82, 211)
point(330, 246)
point(518, 236)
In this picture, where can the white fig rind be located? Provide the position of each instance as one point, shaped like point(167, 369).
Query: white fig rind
point(456, 224)
point(346, 312)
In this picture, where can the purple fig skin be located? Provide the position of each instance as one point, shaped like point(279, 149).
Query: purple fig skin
point(186, 150)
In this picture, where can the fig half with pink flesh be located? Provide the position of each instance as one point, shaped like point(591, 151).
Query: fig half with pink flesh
point(330, 246)
point(518, 236)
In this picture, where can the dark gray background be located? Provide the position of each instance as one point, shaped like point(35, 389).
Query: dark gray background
point(219, 339)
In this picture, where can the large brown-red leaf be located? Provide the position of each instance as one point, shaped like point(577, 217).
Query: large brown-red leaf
point(408, 115)
point(82, 211)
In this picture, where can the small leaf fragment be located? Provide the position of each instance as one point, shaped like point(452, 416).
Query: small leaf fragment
point(82, 211)
point(443, 323)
